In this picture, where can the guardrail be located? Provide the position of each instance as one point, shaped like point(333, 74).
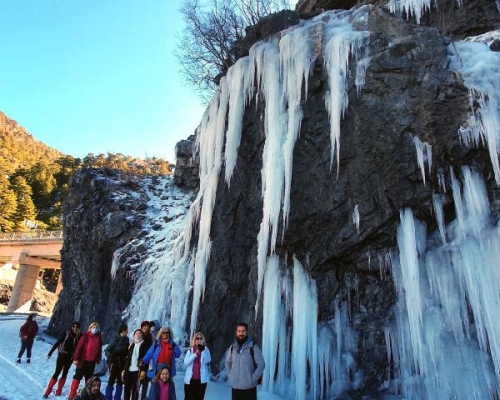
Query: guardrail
point(35, 235)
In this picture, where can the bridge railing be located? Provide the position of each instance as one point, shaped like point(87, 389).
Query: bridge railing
point(35, 235)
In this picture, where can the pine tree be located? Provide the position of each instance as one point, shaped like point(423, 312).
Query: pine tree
point(25, 206)
point(8, 204)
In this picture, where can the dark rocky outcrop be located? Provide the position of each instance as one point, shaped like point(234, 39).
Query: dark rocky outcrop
point(100, 216)
point(186, 173)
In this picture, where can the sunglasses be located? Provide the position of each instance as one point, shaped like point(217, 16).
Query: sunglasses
point(199, 338)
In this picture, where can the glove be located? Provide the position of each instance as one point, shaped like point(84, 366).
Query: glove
point(142, 376)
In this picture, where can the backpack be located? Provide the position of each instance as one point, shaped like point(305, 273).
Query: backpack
point(259, 381)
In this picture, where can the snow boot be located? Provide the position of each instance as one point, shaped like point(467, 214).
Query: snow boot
point(60, 386)
point(28, 361)
point(109, 392)
point(118, 392)
point(74, 388)
point(51, 384)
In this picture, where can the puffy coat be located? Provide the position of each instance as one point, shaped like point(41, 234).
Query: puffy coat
point(240, 367)
point(28, 330)
point(204, 371)
point(79, 354)
point(153, 353)
point(154, 391)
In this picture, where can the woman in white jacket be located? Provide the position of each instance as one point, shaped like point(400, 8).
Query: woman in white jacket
point(197, 373)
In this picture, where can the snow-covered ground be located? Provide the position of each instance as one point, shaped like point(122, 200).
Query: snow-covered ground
point(28, 381)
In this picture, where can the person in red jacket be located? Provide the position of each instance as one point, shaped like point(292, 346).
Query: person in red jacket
point(27, 334)
point(88, 353)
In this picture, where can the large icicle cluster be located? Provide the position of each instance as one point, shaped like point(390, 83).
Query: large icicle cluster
point(276, 71)
point(445, 343)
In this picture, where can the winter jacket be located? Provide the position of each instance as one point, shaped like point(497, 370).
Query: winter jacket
point(66, 344)
point(85, 393)
point(205, 361)
point(81, 348)
point(243, 373)
point(142, 351)
point(153, 353)
point(117, 350)
point(28, 330)
point(154, 391)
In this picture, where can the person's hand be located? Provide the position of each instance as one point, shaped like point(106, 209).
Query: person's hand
point(75, 363)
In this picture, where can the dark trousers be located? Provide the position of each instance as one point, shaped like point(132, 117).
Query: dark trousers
point(115, 374)
point(131, 389)
point(195, 390)
point(86, 370)
point(63, 363)
point(26, 344)
point(244, 394)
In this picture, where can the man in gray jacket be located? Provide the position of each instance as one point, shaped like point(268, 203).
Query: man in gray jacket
point(244, 365)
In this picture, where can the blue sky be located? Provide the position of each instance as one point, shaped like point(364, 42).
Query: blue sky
point(96, 75)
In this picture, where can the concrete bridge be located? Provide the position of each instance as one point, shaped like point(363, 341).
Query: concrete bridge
point(32, 251)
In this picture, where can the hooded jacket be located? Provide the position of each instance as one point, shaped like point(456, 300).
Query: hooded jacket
point(240, 367)
point(85, 394)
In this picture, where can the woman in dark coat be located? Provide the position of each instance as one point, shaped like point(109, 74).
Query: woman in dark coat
point(66, 346)
point(116, 354)
point(27, 334)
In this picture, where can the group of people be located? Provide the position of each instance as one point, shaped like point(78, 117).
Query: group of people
point(145, 361)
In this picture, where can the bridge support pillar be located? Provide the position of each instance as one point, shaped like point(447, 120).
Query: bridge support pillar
point(26, 279)
point(59, 284)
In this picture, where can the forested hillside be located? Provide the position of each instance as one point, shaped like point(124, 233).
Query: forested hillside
point(34, 177)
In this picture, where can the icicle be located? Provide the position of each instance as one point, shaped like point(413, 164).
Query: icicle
point(355, 217)
point(305, 333)
point(268, 67)
point(212, 150)
point(274, 332)
point(424, 155)
point(410, 7)
point(410, 281)
point(341, 42)
point(437, 201)
point(296, 58)
point(238, 82)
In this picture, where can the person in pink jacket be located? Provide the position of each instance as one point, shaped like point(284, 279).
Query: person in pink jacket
point(88, 353)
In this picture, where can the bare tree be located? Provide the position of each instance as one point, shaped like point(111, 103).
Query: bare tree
point(205, 49)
